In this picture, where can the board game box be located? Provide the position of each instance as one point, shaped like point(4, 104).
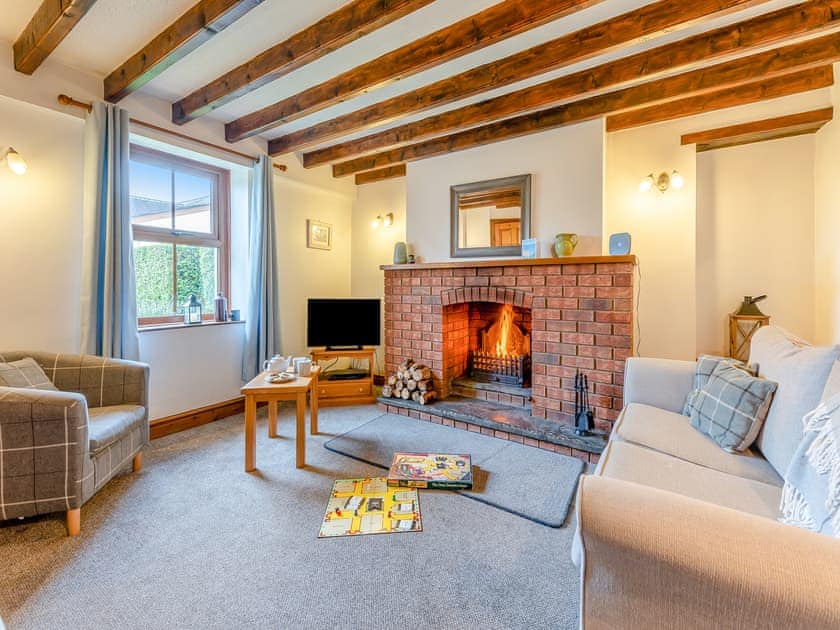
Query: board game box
point(368, 506)
point(445, 471)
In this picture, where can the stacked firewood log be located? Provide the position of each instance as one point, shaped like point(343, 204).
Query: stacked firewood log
point(412, 381)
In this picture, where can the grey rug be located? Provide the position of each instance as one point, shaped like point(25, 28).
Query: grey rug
point(523, 480)
point(192, 541)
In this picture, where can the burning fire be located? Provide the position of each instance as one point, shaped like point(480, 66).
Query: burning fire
point(504, 338)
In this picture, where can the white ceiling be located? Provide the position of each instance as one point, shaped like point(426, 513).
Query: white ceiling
point(114, 29)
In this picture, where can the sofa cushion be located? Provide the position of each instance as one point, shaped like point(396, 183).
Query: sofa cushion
point(629, 462)
point(731, 407)
point(801, 372)
point(106, 425)
point(25, 373)
point(672, 434)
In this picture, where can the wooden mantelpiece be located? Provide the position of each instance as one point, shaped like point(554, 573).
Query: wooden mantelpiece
point(513, 262)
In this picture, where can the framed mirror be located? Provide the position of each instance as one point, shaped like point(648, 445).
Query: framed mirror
point(490, 218)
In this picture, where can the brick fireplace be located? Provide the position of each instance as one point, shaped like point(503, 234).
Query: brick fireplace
point(576, 312)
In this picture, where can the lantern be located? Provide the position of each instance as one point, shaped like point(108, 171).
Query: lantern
point(742, 326)
point(192, 311)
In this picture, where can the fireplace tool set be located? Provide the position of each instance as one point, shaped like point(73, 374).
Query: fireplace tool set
point(583, 413)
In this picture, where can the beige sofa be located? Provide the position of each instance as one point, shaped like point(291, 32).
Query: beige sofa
point(674, 532)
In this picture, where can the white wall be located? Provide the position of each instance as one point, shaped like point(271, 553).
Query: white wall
point(306, 272)
point(662, 230)
point(40, 230)
point(566, 167)
point(664, 227)
point(372, 248)
point(755, 235)
point(827, 226)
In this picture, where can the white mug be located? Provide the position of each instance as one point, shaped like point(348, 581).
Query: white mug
point(303, 366)
point(276, 364)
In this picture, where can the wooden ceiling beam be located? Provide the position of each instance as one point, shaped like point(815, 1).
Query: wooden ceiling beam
point(197, 25)
point(759, 130)
point(808, 17)
point(381, 174)
point(710, 98)
point(339, 28)
point(575, 86)
point(52, 22)
point(496, 23)
point(803, 81)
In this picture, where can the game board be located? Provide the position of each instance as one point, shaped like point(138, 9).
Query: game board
point(368, 506)
point(431, 470)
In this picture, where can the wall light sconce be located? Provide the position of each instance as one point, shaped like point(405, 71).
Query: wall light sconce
point(663, 182)
point(379, 221)
point(14, 161)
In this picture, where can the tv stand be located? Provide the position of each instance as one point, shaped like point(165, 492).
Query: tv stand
point(349, 388)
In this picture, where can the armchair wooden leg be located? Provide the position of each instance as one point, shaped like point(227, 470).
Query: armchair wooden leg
point(74, 522)
point(137, 462)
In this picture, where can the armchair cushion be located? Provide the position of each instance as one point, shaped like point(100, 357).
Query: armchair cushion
point(109, 424)
point(25, 373)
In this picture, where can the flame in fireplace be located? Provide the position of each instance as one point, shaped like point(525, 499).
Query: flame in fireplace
point(504, 338)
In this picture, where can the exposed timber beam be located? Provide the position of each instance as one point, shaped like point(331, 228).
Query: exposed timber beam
point(756, 131)
point(809, 17)
point(578, 85)
point(710, 98)
point(50, 24)
point(201, 22)
point(803, 81)
point(350, 22)
point(496, 23)
point(381, 174)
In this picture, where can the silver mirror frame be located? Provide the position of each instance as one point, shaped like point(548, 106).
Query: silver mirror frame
point(524, 183)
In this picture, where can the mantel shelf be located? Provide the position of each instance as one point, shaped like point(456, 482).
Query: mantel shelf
point(515, 262)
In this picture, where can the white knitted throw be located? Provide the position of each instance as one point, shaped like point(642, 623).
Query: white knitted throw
point(811, 495)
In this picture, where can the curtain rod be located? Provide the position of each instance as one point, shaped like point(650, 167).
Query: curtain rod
point(67, 100)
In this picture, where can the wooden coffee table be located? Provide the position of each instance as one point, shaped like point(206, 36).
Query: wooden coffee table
point(257, 390)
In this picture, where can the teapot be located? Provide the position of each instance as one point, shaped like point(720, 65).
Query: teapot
point(564, 244)
point(277, 364)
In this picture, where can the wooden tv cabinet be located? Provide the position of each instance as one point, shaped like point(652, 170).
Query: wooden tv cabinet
point(356, 391)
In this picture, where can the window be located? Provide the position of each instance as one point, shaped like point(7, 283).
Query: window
point(180, 218)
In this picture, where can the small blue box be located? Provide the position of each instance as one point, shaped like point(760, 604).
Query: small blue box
point(529, 248)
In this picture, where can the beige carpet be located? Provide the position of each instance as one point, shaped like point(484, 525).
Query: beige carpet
point(194, 542)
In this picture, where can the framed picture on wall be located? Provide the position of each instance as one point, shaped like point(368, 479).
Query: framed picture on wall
point(318, 234)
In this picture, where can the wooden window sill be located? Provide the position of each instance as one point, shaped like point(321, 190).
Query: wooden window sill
point(153, 327)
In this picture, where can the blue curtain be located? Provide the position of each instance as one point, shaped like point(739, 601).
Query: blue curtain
point(262, 327)
point(109, 299)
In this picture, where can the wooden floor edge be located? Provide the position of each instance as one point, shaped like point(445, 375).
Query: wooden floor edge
point(196, 417)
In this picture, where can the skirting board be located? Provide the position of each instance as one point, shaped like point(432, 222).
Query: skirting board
point(196, 417)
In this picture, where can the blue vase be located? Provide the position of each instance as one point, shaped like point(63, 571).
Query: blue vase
point(400, 254)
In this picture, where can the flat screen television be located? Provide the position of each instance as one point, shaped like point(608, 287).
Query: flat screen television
point(342, 323)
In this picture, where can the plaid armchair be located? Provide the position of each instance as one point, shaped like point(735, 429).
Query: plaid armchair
point(58, 448)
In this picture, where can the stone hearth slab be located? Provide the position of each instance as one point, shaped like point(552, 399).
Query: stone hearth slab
point(498, 417)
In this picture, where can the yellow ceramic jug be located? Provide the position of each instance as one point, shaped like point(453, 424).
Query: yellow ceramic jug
point(565, 243)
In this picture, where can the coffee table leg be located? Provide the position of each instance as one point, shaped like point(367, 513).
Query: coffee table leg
point(272, 418)
point(250, 433)
point(300, 430)
point(313, 407)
